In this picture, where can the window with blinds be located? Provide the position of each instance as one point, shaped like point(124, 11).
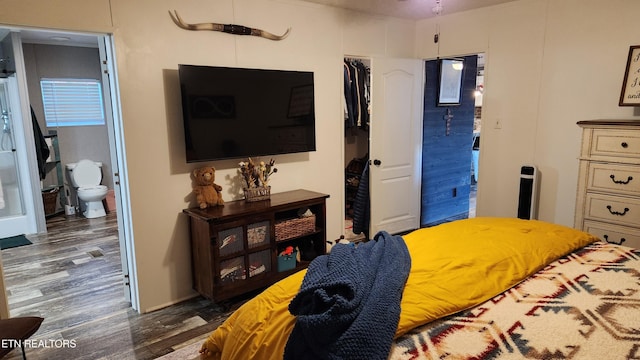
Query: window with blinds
point(72, 102)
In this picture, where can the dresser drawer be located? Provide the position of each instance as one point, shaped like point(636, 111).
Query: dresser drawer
point(624, 179)
point(614, 234)
point(616, 209)
point(618, 143)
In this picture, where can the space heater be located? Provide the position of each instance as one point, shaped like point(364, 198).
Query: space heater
point(528, 198)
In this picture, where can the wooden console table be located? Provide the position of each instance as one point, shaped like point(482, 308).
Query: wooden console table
point(235, 247)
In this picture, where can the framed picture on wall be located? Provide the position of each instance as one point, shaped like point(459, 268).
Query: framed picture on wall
point(630, 95)
point(450, 87)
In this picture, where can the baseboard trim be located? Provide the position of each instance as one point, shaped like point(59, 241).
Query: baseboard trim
point(167, 304)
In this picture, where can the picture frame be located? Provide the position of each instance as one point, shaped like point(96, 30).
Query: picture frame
point(630, 94)
point(450, 84)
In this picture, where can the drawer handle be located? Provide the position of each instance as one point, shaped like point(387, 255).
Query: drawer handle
point(617, 212)
point(606, 238)
point(624, 145)
point(623, 182)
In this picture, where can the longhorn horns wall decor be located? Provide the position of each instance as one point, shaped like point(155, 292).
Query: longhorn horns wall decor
point(226, 28)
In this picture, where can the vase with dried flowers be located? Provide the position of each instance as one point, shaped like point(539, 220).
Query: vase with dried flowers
point(256, 179)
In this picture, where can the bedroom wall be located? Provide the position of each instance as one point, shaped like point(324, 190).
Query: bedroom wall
point(149, 47)
point(93, 15)
point(550, 63)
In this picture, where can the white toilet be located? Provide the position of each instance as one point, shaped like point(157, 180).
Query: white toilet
point(86, 177)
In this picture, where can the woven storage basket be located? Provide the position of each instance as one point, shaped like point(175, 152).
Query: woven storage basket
point(49, 198)
point(257, 193)
point(287, 229)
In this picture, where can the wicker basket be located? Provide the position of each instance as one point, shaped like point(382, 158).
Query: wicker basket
point(257, 193)
point(287, 229)
point(50, 198)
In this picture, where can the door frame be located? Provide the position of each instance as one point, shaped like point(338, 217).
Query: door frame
point(117, 153)
point(113, 119)
point(446, 213)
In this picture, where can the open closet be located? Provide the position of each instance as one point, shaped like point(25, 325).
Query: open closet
point(382, 145)
point(357, 117)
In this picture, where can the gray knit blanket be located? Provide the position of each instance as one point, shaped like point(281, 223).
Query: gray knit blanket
point(348, 306)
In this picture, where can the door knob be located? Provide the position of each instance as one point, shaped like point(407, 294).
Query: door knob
point(377, 162)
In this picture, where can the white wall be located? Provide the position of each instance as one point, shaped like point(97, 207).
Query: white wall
point(149, 47)
point(550, 63)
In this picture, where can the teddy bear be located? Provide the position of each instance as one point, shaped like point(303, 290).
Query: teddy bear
point(208, 193)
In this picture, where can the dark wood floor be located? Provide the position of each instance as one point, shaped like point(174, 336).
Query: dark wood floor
point(72, 277)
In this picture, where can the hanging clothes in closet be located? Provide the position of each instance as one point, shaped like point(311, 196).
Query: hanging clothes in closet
point(356, 94)
point(362, 205)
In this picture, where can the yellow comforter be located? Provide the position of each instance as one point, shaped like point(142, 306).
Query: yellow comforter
point(454, 266)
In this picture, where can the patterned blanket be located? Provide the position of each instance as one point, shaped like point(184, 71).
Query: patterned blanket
point(585, 305)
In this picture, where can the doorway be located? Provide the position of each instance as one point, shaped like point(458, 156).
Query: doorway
point(451, 142)
point(357, 91)
point(387, 186)
point(54, 54)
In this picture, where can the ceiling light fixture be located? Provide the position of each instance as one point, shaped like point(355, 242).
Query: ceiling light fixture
point(437, 10)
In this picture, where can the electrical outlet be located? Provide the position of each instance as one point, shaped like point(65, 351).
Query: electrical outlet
point(497, 124)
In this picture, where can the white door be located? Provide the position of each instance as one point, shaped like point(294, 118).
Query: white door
point(395, 144)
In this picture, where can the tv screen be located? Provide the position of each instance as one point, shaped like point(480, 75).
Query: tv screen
point(237, 112)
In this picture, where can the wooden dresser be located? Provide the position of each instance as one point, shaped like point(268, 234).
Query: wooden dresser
point(608, 199)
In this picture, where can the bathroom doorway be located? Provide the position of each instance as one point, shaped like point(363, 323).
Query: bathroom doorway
point(60, 55)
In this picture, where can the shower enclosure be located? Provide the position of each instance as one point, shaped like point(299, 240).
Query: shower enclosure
point(13, 218)
point(17, 199)
point(11, 201)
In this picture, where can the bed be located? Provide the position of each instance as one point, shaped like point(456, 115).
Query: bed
point(482, 288)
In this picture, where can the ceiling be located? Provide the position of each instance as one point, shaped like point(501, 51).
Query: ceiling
point(409, 9)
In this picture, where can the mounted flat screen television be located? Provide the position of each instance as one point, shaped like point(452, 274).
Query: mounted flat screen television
point(237, 112)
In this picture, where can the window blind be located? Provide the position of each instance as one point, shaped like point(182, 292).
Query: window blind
point(72, 102)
